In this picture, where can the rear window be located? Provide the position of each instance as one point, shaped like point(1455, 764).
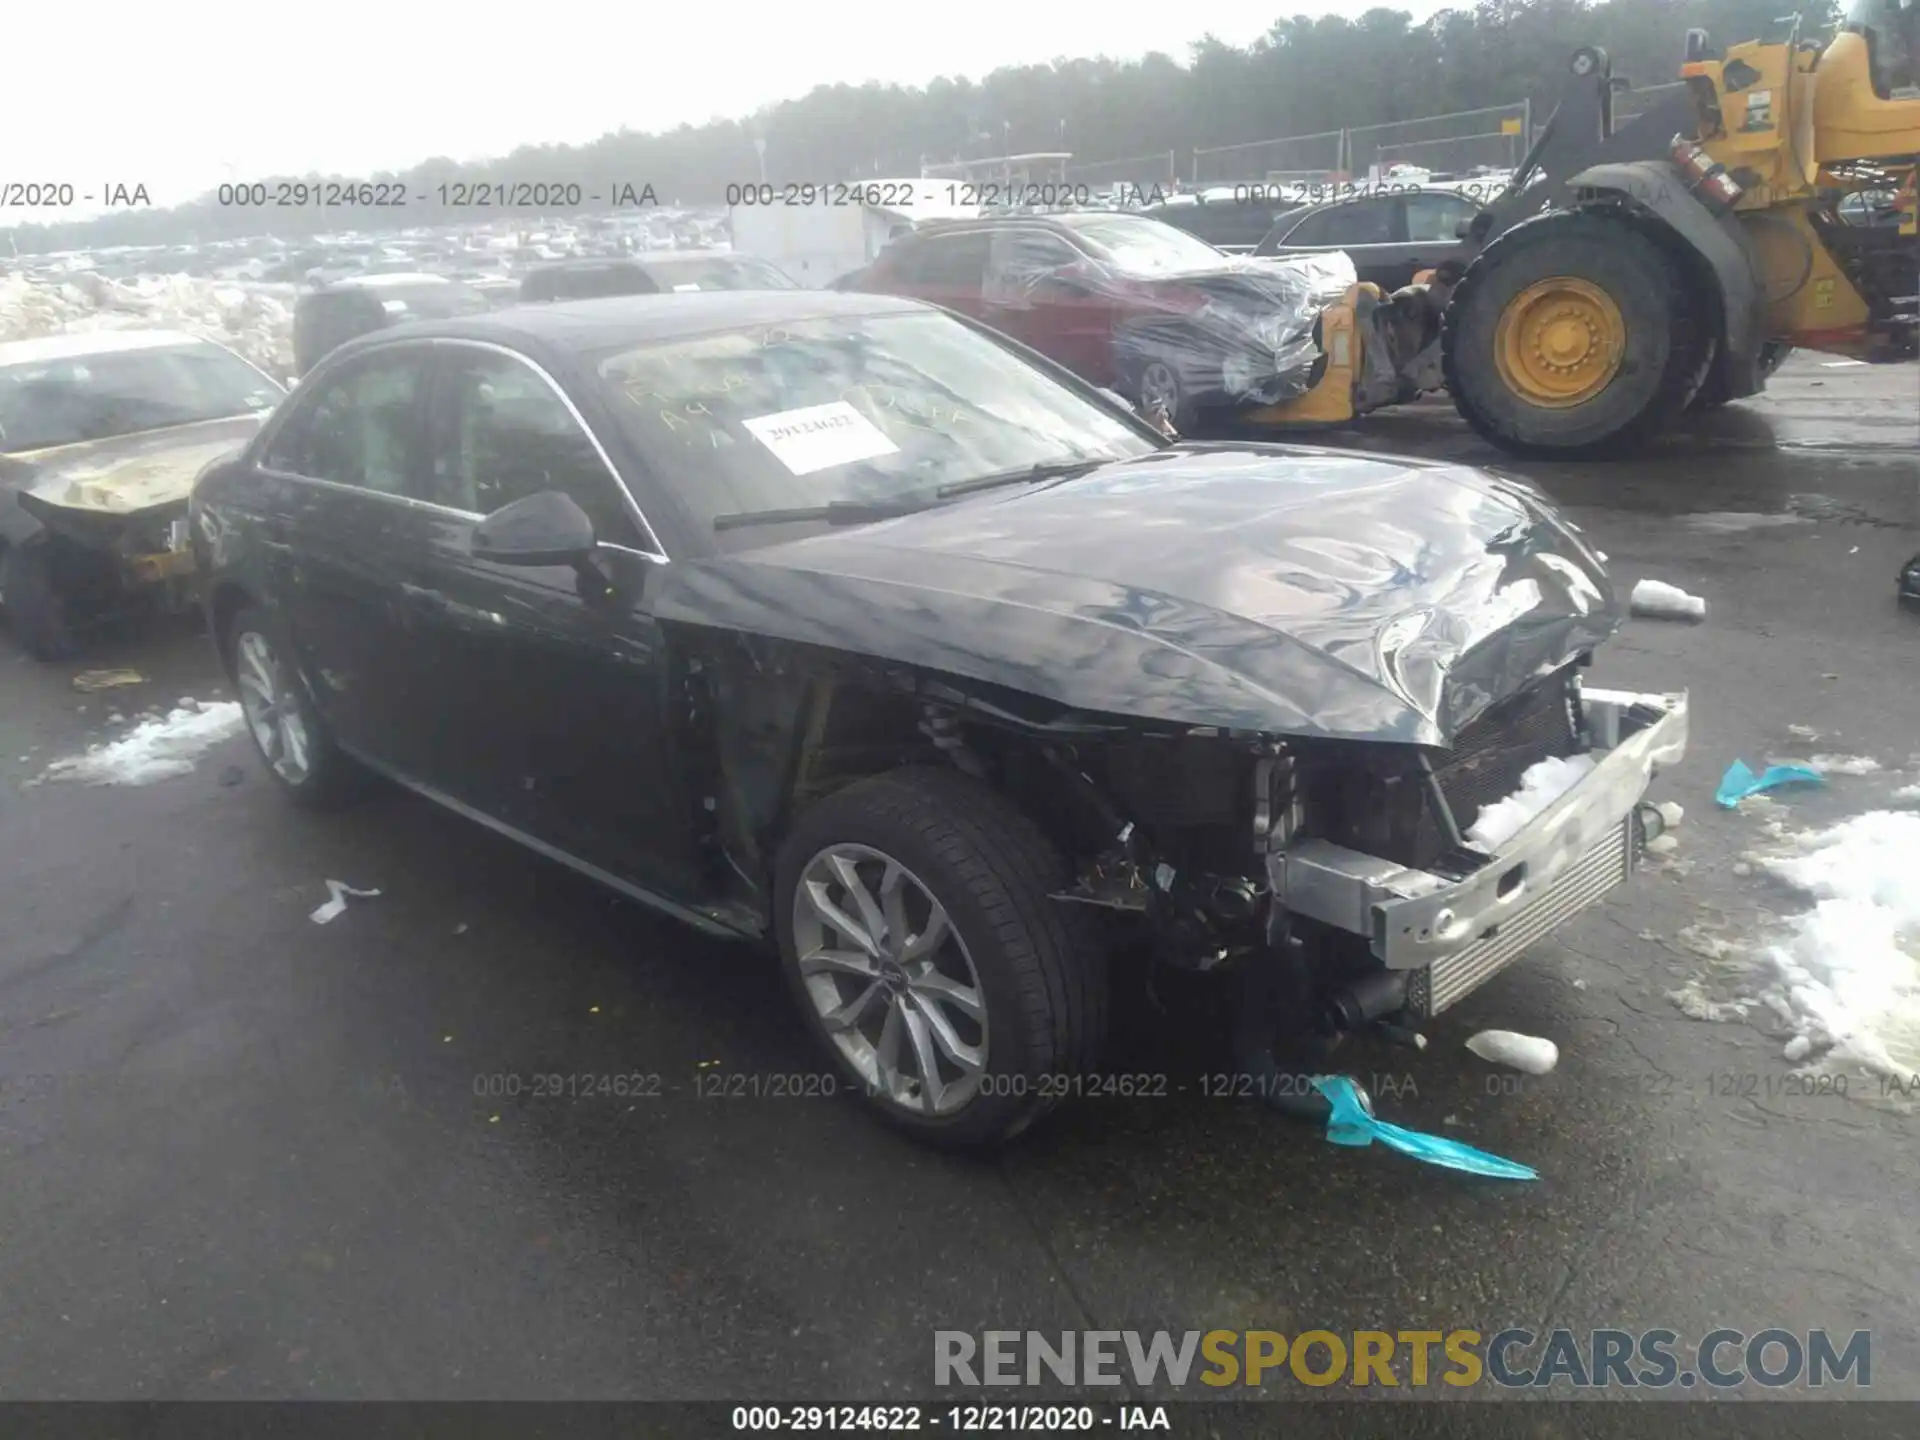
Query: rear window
point(720, 272)
point(587, 283)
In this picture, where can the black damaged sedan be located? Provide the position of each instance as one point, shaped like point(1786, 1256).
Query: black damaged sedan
point(841, 623)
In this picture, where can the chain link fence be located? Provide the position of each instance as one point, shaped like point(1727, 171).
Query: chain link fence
point(1142, 174)
point(1492, 138)
point(1307, 157)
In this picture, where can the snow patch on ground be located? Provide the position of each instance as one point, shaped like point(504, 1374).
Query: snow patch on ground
point(1842, 979)
point(1845, 764)
point(1731, 522)
point(1540, 786)
point(156, 749)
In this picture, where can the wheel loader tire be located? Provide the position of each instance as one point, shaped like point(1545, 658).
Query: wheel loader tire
point(1573, 336)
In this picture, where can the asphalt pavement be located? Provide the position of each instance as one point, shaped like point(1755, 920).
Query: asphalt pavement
point(246, 1156)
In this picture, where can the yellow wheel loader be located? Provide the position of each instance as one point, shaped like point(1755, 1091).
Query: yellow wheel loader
point(1631, 273)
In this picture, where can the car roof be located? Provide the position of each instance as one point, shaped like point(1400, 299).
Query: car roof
point(385, 282)
point(650, 257)
point(91, 342)
point(587, 326)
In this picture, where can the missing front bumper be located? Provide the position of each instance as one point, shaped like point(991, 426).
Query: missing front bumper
point(1460, 932)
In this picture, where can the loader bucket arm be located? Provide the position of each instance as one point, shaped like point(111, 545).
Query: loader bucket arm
point(1578, 135)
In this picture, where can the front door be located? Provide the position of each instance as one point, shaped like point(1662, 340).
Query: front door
point(548, 702)
point(342, 468)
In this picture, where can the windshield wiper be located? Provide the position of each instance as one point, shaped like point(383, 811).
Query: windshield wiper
point(838, 512)
point(1028, 475)
point(864, 512)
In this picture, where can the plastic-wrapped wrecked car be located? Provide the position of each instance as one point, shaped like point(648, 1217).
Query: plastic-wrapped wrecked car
point(840, 622)
point(101, 435)
point(1129, 303)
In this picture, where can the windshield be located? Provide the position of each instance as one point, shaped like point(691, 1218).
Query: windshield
point(852, 408)
point(92, 397)
point(1141, 246)
point(720, 272)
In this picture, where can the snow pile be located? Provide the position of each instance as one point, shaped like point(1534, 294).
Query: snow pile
point(1540, 786)
point(155, 750)
point(1844, 978)
point(254, 319)
point(1660, 601)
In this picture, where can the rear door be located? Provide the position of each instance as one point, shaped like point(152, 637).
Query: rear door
point(341, 472)
point(1370, 230)
point(544, 703)
point(945, 269)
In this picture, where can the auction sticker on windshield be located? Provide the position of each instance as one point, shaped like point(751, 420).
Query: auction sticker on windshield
point(819, 436)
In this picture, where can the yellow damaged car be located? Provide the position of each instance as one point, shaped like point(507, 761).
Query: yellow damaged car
point(101, 437)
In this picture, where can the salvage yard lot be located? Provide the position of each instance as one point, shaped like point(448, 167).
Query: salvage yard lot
point(243, 1155)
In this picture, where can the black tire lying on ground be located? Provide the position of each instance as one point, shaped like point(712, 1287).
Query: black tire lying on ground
point(992, 871)
point(1664, 345)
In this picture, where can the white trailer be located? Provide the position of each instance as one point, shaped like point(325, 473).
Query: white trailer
point(820, 242)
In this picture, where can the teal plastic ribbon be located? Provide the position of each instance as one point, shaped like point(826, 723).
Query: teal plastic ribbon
point(1740, 781)
point(1354, 1123)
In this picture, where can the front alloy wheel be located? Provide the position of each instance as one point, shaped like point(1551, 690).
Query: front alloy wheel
point(919, 934)
point(890, 979)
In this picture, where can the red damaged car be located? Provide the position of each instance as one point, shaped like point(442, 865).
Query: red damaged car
point(1128, 303)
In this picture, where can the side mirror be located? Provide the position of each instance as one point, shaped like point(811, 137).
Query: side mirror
point(544, 529)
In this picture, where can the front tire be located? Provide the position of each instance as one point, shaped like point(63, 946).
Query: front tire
point(35, 608)
point(289, 734)
point(918, 936)
point(1572, 336)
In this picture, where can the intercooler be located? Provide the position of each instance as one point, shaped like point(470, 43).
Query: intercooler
point(1606, 865)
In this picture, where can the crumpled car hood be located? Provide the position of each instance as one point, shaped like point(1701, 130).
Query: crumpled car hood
point(131, 473)
point(1280, 589)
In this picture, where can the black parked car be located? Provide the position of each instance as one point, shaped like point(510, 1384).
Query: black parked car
point(333, 314)
point(653, 273)
point(844, 623)
point(1232, 219)
point(1390, 237)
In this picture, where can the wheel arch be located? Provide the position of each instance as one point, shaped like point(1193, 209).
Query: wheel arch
point(225, 600)
point(1715, 253)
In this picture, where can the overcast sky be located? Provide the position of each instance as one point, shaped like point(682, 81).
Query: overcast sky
point(181, 97)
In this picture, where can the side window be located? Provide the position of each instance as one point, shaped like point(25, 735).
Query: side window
point(500, 434)
point(359, 428)
point(1019, 258)
point(1435, 215)
point(954, 262)
point(1365, 222)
